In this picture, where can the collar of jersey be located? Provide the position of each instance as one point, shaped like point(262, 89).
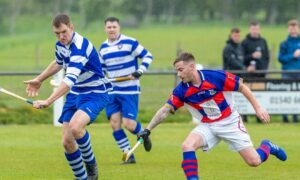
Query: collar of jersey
point(201, 79)
point(114, 42)
point(72, 41)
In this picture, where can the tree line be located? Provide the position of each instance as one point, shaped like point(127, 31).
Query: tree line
point(135, 12)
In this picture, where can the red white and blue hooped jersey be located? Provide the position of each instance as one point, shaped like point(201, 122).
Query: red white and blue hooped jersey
point(212, 100)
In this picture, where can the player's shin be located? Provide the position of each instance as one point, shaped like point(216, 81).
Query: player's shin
point(76, 164)
point(88, 157)
point(85, 148)
point(122, 141)
point(190, 165)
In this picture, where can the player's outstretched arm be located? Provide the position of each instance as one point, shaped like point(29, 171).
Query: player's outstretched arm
point(160, 115)
point(260, 112)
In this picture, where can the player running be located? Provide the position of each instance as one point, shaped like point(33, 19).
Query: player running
point(119, 56)
point(87, 95)
point(209, 93)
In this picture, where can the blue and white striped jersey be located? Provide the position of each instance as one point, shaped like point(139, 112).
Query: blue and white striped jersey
point(83, 72)
point(120, 58)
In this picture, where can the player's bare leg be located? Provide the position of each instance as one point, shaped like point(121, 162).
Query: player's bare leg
point(251, 157)
point(254, 157)
point(116, 121)
point(68, 139)
point(77, 126)
point(129, 124)
point(190, 164)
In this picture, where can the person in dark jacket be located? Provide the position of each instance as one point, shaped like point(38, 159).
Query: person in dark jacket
point(256, 51)
point(233, 54)
point(289, 56)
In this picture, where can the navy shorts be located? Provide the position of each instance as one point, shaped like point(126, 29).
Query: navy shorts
point(127, 104)
point(92, 104)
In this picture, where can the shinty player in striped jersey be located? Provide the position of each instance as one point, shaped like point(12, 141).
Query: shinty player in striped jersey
point(208, 92)
point(87, 94)
point(119, 56)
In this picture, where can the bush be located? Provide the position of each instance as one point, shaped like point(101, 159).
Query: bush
point(24, 115)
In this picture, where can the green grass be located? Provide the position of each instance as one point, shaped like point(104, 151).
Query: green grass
point(35, 152)
point(34, 50)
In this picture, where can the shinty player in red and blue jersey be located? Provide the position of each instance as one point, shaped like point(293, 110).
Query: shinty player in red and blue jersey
point(208, 98)
point(208, 92)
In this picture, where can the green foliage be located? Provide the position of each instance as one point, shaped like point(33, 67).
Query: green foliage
point(35, 152)
point(148, 11)
point(24, 115)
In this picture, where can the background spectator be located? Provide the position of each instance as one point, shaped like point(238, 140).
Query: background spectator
point(289, 56)
point(233, 55)
point(256, 50)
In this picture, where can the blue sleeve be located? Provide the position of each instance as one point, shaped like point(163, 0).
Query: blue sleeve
point(140, 52)
point(284, 55)
point(176, 99)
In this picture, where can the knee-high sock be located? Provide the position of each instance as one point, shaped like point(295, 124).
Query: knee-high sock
point(190, 165)
point(138, 128)
point(85, 148)
point(263, 151)
point(121, 140)
point(75, 161)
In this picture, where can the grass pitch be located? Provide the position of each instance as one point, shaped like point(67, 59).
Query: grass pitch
point(35, 152)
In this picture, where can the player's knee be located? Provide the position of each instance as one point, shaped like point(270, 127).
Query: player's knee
point(186, 146)
point(253, 162)
point(115, 125)
point(75, 129)
point(67, 144)
point(128, 124)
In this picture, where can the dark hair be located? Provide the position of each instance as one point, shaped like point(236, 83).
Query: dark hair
point(185, 57)
point(61, 19)
point(111, 19)
point(235, 30)
point(254, 23)
point(293, 22)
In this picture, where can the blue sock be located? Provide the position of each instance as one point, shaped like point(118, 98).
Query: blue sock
point(85, 148)
point(76, 164)
point(263, 151)
point(190, 165)
point(121, 140)
point(138, 128)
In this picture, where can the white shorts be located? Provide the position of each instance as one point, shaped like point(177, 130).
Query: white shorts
point(230, 129)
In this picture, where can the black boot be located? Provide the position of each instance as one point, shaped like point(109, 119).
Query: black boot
point(92, 171)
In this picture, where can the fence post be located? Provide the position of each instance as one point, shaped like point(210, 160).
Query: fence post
point(58, 104)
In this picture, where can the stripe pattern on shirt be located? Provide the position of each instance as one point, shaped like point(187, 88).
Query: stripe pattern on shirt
point(82, 66)
point(209, 99)
point(120, 58)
